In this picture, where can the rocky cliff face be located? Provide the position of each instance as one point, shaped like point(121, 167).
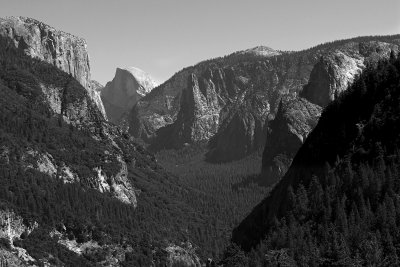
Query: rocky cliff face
point(226, 101)
point(203, 102)
point(260, 51)
point(63, 50)
point(337, 69)
point(121, 94)
point(330, 76)
point(357, 130)
point(97, 86)
point(79, 111)
point(183, 255)
point(12, 226)
point(49, 92)
point(295, 119)
point(117, 184)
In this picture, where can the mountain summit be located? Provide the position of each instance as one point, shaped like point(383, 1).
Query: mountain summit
point(229, 102)
point(261, 50)
point(121, 94)
point(63, 50)
point(74, 189)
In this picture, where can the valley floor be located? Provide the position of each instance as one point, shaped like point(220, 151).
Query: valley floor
point(226, 192)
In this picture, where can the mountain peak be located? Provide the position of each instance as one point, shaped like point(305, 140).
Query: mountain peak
point(145, 81)
point(142, 76)
point(261, 51)
point(21, 20)
point(128, 86)
point(65, 51)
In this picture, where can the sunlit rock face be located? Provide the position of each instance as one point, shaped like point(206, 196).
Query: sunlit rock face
point(295, 119)
point(65, 51)
point(12, 227)
point(260, 51)
point(69, 101)
point(96, 89)
point(337, 69)
point(97, 86)
point(200, 102)
point(124, 91)
point(183, 255)
point(117, 185)
point(330, 76)
point(227, 101)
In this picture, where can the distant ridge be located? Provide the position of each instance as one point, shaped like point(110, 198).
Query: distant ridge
point(230, 101)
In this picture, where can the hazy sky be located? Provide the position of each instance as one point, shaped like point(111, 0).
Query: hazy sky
point(163, 36)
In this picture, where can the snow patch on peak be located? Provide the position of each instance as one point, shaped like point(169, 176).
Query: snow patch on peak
point(128, 86)
point(143, 78)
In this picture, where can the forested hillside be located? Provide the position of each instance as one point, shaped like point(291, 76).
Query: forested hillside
point(225, 192)
point(76, 190)
point(338, 203)
point(76, 210)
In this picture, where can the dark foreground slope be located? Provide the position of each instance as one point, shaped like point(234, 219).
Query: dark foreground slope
point(338, 203)
point(75, 190)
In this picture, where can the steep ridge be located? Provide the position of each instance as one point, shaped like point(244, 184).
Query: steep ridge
point(96, 85)
point(227, 101)
point(63, 50)
point(337, 69)
point(329, 78)
point(60, 97)
point(87, 185)
point(121, 94)
point(216, 92)
point(294, 120)
point(340, 192)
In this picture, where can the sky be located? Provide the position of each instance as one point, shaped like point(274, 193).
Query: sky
point(163, 36)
